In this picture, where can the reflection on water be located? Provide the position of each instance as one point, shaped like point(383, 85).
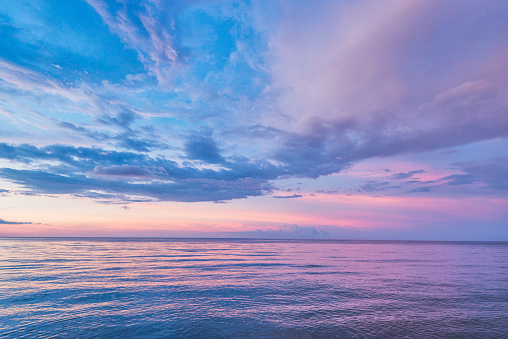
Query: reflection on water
point(252, 288)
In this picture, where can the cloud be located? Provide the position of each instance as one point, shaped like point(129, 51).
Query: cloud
point(203, 147)
point(5, 222)
point(122, 171)
point(374, 186)
point(122, 119)
point(420, 190)
point(128, 176)
point(406, 175)
point(493, 173)
point(25, 81)
point(125, 141)
point(387, 85)
point(225, 98)
point(81, 158)
point(138, 27)
point(291, 232)
point(288, 196)
point(186, 190)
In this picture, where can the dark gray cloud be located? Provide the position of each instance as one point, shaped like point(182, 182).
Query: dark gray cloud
point(123, 171)
point(320, 146)
point(420, 190)
point(288, 196)
point(130, 143)
point(203, 147)
point(71, 126)
point(5, 222)
point(406, 175)
point(142, 140)
point(187, 190)
point(374, 186)
point(460, 179)
point(23, 153)
point(128, 176)
point(81, 160)
point(329, 191)
point(493, 173)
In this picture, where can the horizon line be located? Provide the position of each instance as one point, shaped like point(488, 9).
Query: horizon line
point(252, 239)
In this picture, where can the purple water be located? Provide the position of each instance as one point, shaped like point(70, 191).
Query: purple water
point(181, 288)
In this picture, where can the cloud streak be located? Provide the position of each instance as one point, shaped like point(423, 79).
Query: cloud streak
point(5, 222)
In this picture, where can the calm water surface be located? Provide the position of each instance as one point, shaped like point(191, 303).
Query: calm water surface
point(177, 288)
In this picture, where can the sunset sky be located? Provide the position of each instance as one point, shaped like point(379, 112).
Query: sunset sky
point(282, 119)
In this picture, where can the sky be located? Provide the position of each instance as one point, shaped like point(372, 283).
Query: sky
point(272, 119)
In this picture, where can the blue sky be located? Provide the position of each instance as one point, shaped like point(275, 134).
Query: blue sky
point(263, 117)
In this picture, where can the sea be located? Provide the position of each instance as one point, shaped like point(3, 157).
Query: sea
point(248, 288)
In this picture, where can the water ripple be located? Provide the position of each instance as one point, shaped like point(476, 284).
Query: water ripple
point(91, 288)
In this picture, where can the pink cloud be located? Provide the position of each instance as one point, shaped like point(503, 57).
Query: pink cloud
point(409, 73)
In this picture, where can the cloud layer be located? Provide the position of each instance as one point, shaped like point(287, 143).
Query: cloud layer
point(214, 101)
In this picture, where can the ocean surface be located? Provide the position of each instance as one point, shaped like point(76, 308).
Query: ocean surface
point(213, 288)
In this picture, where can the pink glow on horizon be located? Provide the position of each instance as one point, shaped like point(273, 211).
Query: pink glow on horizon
point(320, 210)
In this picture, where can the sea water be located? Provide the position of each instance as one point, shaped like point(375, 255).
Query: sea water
point(213, 288)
